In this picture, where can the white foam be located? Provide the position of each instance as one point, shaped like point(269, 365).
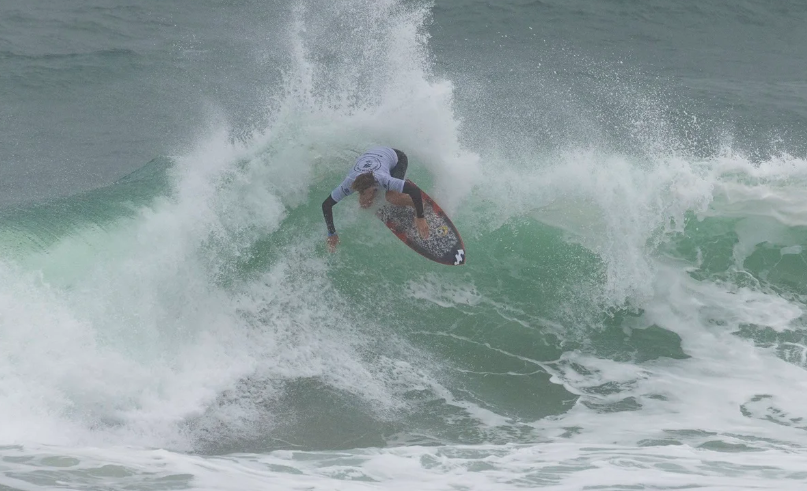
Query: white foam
point(136, 327)
point(724, 392)
point(444, 293)
point(552, 466)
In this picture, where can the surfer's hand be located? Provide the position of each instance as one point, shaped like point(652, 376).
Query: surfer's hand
point(332, 241)
point(423, 227)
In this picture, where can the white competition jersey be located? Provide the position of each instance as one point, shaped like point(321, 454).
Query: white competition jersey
point(379, 161)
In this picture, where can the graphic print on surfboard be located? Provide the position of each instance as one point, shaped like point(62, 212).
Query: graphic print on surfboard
point(444, 244)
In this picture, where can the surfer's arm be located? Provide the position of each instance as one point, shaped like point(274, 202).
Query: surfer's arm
point(417, 199)
point(327, 212)
point(410, 189)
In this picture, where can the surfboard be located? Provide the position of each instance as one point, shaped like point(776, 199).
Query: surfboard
point(444, 244)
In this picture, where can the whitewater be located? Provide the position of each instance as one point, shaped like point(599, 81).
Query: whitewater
point(631, 315)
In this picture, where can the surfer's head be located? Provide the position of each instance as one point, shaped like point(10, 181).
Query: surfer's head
point(364, 184)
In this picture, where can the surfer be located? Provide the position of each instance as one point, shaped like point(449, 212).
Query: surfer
point(379, 166)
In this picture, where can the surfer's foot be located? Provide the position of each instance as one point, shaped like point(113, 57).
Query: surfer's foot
point(399, 199)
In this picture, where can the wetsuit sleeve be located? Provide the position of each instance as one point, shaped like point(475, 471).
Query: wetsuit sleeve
point(414, 192)
point(327, 211)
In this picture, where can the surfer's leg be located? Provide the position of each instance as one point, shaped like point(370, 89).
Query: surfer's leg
point(399, 172)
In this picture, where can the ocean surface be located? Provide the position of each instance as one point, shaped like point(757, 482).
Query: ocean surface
point(628, 176)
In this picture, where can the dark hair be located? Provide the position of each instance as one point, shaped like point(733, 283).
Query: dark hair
point(363, 182)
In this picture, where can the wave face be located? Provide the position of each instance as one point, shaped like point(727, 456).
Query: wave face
point(631, 314)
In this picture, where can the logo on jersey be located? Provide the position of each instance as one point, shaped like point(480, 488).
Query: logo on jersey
point(368, 163)
point(460, 257)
